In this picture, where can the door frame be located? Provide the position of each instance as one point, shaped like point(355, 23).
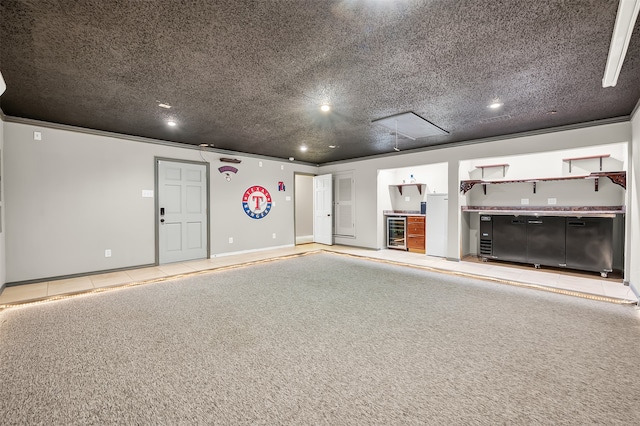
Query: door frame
point(156, 202)
point(295, 201)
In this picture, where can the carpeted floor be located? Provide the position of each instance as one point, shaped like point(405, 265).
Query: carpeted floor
point(320, 339)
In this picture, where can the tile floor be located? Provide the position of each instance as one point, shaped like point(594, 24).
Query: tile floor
point(587, 285)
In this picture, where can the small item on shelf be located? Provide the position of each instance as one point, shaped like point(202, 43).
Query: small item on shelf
point(412, 179)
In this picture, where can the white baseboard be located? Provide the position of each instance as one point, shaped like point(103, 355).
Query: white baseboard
point(304, 239)
point(233, 253)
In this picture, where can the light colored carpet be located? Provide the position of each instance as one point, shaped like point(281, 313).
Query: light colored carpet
point(320, 339)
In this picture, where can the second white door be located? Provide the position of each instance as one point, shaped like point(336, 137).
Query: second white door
point(322, 209)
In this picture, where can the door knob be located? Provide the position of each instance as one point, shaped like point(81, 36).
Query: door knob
point(161, 220)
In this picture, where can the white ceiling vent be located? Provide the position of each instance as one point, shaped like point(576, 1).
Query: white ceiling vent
point(411, 125)
point(496, 118)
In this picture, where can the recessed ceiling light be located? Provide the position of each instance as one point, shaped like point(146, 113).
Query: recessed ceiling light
point(171, 123)
point(204, 144)
point(325, 108)
point(495, 105)
point(166, 106)
point(291, 158)
point(303, 148)
point(332, 146)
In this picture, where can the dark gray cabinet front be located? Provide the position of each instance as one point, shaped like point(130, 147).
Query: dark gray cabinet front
point(509, 238)
point(590, 243)
point(546, 240)
point(572, 242)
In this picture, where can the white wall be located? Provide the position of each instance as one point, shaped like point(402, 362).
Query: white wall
point(548, 165)
point(433, 176)
point(369, 216)
point(3, 264)
point(633, 215)
point(72, 195)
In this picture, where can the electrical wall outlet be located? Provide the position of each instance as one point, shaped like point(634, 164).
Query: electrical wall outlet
point(524, 201)
point(407, 198)
point(37, 136)
point(273, 235)
point(551, 201)
point(259, 163)
point(230, 240)
point(107, 253)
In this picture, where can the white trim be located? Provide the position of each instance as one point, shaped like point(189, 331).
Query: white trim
point(304, 239)
point(233, 253)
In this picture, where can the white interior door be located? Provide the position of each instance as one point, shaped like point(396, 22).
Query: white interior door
point(182, 211)
point(322, 209)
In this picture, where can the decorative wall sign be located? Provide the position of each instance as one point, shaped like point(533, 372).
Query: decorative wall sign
point(280, 186)
point(227, 171)
point(256, 202)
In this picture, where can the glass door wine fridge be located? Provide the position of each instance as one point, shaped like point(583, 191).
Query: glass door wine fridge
point(396, 232)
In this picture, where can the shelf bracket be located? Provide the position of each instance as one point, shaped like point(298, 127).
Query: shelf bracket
point(484, 189)
point(534, 187)
point(596, 181)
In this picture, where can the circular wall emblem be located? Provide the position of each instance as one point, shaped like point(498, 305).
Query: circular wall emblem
point(256, 202)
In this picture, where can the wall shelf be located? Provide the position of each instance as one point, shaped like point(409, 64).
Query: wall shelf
point(619, 178)
point(402, 185)
point(590, 157)
point(490, 166)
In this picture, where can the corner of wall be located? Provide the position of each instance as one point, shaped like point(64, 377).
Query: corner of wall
point(633, 219)
point(3, 260)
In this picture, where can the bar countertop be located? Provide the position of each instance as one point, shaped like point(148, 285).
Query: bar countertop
point(547, 210)
point(403, 213)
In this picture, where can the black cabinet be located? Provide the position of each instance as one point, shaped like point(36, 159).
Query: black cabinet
point(572, 242)
point(509, 238)
point(590, 244)
point(546, 240)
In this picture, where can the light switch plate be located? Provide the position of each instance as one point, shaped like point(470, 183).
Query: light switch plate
point(147, 193)
point(37, 136)
point(407, 198)
point(230, 240)
point(524, 201)
point(551, 201)
point(287, 198)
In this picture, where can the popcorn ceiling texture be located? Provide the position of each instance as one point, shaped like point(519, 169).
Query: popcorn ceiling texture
point(250, 76)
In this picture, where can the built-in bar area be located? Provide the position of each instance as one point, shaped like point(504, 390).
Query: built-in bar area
point(563, 209)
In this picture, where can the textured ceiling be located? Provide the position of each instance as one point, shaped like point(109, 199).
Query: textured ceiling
point(250, 76)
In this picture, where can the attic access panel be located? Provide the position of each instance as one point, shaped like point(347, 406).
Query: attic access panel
point(411, 125)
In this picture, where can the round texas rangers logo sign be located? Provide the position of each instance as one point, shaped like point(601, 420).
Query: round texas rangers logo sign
point(256, 202)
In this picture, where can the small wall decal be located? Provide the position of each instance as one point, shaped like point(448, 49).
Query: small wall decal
point(228, 171)
point(280, 186)
point(256, 202)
